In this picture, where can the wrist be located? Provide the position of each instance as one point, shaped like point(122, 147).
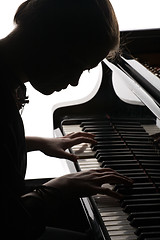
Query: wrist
point(34, 143)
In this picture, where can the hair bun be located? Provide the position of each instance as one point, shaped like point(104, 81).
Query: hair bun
point(20, 12)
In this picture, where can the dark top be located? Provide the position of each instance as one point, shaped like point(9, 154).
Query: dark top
point(20, 218)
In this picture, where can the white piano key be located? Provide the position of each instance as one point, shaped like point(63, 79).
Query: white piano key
point(124, 237)
point(71, 128)
point(116, 213)
point(120, 233)
point(119, 227)
point(114, 218)
point(151, 129)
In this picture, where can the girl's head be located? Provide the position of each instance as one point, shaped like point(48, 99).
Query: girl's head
point(64, 37)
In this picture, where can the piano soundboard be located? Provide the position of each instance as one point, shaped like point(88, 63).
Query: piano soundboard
point(126, 146)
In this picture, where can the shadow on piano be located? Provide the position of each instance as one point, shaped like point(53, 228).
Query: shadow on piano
point(123, 132)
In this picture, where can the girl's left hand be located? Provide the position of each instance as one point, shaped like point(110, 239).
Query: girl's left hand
point(55, 147)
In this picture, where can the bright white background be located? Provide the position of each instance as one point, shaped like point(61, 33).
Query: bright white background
point(37, 116)
point(131, 14)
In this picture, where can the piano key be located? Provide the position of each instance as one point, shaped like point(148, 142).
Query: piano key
point(143, 214)
point(144, 151)
point(124, 129)
point(142, 207)
point(148, 157)
point(142, 195)
point(121, 166)
point(145, 235)
point(73, 128)
point(140, 146)
point(136, 190)
point(113, 157)
point(115, 151)
point(129, 133)
point(90, 123)
point(119, 145)
point(113, 216)
point(151, 166)
point(121, 163)
point(151, 228)
point(137, 201)
point(107, 137)
point(145, 221)
point(104, 129)
point(125, 237)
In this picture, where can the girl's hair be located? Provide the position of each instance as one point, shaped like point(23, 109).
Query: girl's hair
point(85, 22)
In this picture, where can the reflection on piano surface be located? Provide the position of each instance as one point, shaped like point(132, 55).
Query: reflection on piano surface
point(124, 135)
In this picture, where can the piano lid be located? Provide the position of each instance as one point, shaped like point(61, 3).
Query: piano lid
point(145, 90)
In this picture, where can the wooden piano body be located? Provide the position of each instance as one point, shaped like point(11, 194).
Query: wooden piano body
point(116, 123)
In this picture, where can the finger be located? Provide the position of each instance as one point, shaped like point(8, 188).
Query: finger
point(103, 170)
point(81, 134)
point(69, 135)
point(69, 156)
point(79, 140)
point(115, 179)
point(111, 175)
point(109, 192)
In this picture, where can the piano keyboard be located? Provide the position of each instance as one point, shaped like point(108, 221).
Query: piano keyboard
point(126, 146)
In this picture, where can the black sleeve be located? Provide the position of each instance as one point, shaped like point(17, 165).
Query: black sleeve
point(22, 218)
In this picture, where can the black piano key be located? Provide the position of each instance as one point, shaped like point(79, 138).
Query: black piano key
point(106, 134)
point(105, 129)
point(141, 179)
point(142, 195)
point(107, 138)
point(153, 171)
point(90, 123)
point(120, 162)
point(151, 165)
point(135, 138)
point(117, 151)
point(108, 146)
point(128, 121)
point(148, 157)
point(144, 151)
point(110, 142)
point(136, 190)
point(130, 129)
point(140, 146)
point(152, 161)
point(139, 201)
point(114, 157)
point(151, 228)
point(155, 178)
point(137, 185)
point(133, 121)
point(124, 171)
point(151, 238)
point(152, 235)
point(143, 214)
point(145, 221)
point(142, 207)
point(134, 133)
point(121, 166)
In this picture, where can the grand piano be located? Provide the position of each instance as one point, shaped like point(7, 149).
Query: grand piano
point(124, 130)
point(125, 122)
